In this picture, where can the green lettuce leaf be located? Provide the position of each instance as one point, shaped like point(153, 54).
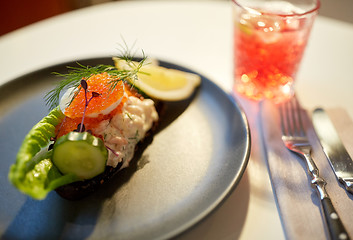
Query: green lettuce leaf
point(34, 173)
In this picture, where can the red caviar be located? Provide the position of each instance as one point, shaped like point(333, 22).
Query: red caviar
point(99, 83)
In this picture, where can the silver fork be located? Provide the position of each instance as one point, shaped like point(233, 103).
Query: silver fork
point(295, 139)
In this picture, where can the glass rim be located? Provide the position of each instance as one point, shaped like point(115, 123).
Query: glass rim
point(314, 9)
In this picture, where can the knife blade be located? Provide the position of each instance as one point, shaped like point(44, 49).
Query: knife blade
point(336, 153)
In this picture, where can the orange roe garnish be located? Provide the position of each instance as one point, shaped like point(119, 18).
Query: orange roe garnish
point(97, 83)
point(70, 124)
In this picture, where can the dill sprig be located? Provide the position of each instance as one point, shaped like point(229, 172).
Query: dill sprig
point(76, 74)
point(130, 73)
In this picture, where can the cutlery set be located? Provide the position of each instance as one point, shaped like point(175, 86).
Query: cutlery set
point(295, 139)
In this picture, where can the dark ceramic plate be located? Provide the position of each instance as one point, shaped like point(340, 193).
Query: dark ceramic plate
point(189, 167)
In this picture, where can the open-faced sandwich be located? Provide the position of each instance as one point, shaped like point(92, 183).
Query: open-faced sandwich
point(92, 131)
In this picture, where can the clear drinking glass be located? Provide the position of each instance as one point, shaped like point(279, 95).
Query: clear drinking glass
point(269, 41)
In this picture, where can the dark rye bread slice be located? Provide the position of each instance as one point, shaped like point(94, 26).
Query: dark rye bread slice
point(81, 189)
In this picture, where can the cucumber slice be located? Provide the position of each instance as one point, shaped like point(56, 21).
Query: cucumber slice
point(80, 153)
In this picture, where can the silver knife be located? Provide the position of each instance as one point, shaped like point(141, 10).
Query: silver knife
point(334, 149)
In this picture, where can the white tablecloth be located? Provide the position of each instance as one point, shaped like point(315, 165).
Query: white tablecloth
point(197, 35)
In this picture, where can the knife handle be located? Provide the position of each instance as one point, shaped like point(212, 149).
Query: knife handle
point(335, 226)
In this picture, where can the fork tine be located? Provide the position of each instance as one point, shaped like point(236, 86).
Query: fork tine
point(297, 118)
point(286, 118)
point(301, 125)
point(292, 114)
point(290, 117)
point(283, 121)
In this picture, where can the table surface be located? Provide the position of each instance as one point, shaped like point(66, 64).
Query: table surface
point(197, 35)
